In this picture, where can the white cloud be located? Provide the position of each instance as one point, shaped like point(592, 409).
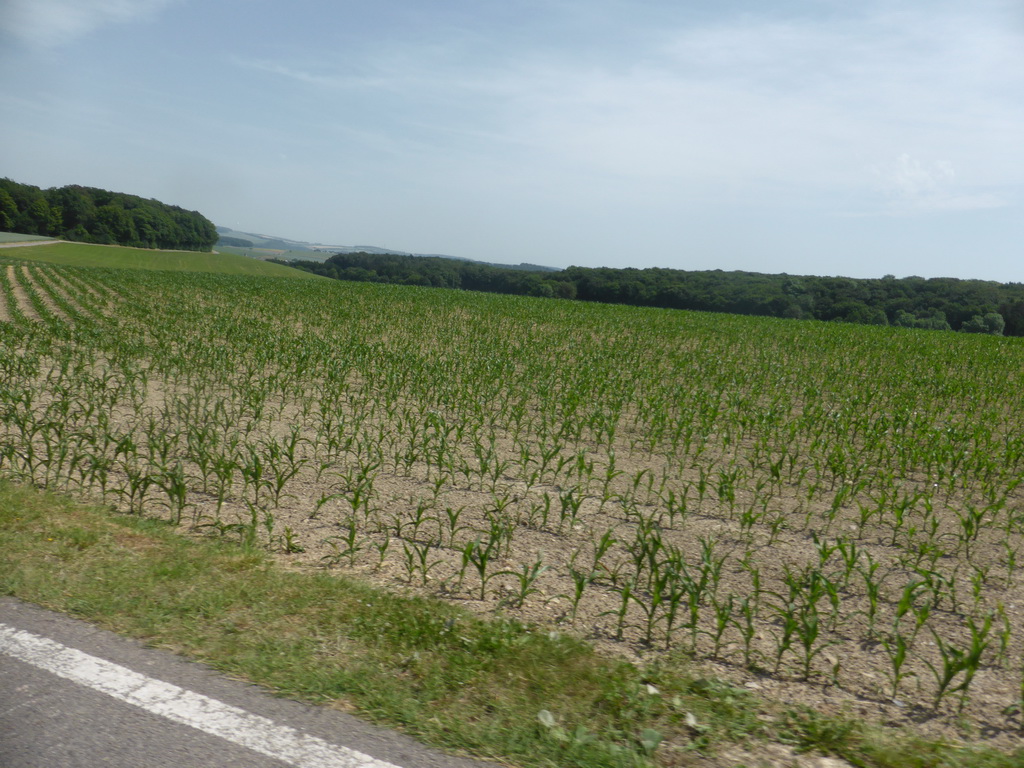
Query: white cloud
point(913, 186)
point(752, 105)
point(52, 23)
point(744, 103)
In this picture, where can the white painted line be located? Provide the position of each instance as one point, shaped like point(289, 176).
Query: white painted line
point(182, 706)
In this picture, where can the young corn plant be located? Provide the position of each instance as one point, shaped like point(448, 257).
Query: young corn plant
point(954, 661)
point(788, 620)
point(417, 559)
point(723, 609)
point(173, 483)
point(525, 583)
point(451, 524)
point(895, 647)
point(344, 546)
point(580, 581)
point(480, 554)
point(625, 594)
point(746, 622)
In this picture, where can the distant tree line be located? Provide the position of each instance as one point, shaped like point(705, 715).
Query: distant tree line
point(92, 215)
point(441, 272)
point(972, 306)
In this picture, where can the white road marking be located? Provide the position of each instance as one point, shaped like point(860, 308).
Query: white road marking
point(182, 706)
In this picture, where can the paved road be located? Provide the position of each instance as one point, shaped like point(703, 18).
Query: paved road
point(72, 695)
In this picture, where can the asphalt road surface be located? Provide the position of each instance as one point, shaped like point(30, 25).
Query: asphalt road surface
point(73, 695)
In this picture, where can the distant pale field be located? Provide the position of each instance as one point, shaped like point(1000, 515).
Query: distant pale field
point(271, 253)
point(14, 237)
point(86, 255)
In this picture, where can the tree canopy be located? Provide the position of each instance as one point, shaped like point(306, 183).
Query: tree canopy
point(911, 302)
point(91, 215)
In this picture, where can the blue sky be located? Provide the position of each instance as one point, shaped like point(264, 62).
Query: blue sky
point(808, 137)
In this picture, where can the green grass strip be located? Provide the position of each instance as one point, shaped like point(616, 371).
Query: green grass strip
point(491, 688)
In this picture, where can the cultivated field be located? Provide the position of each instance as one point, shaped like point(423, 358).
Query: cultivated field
point(87, 255)
point(823, 513)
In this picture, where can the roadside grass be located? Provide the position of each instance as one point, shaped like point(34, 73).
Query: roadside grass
point(491, 688)
point(116, 257)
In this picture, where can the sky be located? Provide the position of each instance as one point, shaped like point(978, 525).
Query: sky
point(818, 137)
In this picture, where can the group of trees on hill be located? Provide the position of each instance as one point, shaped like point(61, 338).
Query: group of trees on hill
point(92, 215)
point(974, 306)
point(237, 242)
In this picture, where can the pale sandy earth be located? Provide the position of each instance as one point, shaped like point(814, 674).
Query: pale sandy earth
point(27, 243)
point(20, 296)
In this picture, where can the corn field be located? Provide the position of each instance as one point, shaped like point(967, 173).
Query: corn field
point(829, 511)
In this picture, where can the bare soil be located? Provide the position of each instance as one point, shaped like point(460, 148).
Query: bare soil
point(411, 532)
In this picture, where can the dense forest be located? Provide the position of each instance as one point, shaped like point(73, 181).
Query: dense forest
point(975, 306)
point(92, 215)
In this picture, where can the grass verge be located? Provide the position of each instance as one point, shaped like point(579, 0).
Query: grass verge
point(116, 257)
point(493, 688)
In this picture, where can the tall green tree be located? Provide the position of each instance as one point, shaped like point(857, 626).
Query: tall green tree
point(991, 323)
point(8, 211)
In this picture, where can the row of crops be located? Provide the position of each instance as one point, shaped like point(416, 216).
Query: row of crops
point(820, 507)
